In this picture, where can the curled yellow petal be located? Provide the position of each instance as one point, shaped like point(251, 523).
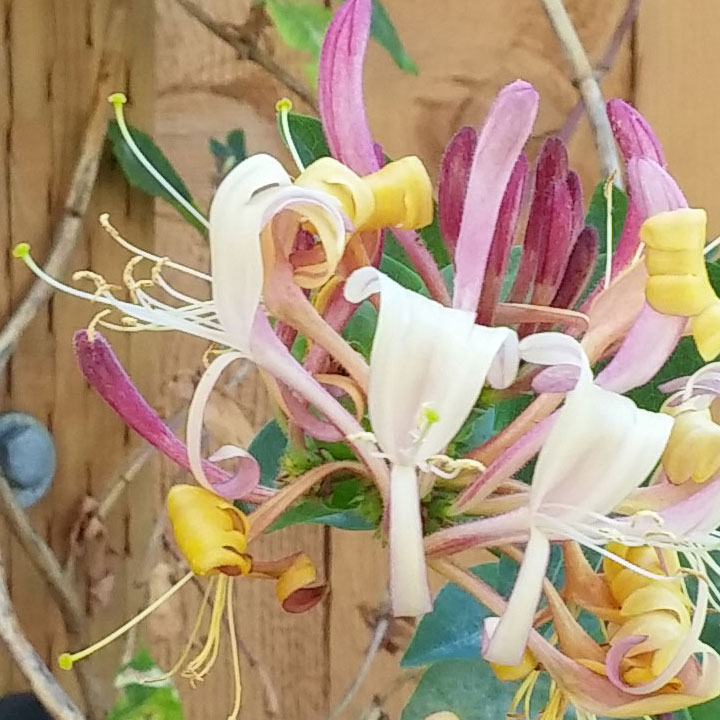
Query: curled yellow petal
point(353, 193)
point(511, 673)
point(403, 196)
point(693, 450)
point(295, 575)
point(678, 282)
point(210, 532)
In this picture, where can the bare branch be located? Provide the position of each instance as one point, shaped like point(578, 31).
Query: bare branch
point(584, 78)
point(69, 228)
point(381, 628)
point(247, 48)
point(43, 558)
point(604, 65)
point(50, 694)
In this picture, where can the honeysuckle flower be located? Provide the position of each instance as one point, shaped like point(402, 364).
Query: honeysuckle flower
point(247, 200)
point(599, 448)
point(678, 282)
point(428, 365)
point(653, 336)
point(693, 451)
point(212, 535)
point(499, 144)
point(591, 693)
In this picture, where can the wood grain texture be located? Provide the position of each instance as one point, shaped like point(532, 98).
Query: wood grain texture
point(50, 51)
point(676, 67)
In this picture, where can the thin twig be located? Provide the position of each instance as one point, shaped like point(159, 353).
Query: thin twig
point(69, 228)
point(604, 66)
point(381, 628)
point(375, 708)
point(587, 84)
point(247, 48)
point(44, 685)
point(43, 558)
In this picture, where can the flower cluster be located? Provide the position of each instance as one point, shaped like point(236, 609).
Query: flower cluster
point(631, 495)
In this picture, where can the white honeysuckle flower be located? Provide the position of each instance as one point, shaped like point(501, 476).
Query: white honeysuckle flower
point(601, 448)
point(428, 365)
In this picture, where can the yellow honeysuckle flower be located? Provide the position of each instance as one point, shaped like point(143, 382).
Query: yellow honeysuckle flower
point(693, 451)
point(398, 195)
point(657, 610)
point(211, 533)
point(678, 282)
point(511, 673)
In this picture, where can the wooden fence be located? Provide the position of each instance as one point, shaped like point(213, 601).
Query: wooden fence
point(669, 66)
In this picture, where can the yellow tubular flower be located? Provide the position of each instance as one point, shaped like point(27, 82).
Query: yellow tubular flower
point(658, 610)
point(398, 195)
point(353, 193)
point(403, 195)
point(678, 282)
point(210, 532)
point(693, 451)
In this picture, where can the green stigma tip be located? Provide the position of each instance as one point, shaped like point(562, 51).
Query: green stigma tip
point(21, 250)
point(65, 661)
point(117, 98)
point(431, 416)
point(283, 105)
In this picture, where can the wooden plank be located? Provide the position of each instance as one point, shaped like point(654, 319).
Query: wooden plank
point(50, 55)
point(677, 91)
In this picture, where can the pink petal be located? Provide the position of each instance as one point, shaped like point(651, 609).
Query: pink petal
point(106, 375)
point(340, 87)
point(653, 336)
point(500, 143)
point(452, 185)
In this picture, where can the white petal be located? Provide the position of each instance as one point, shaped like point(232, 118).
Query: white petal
point(244, 204)
point(553, 348)
point(229, 452)
point(601, 448)
point(409, 590)
point(237, 268)
point(506, 639)
point(196, 413)
point(425, 356)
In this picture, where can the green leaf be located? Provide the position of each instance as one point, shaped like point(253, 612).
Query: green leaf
point(141, 179)
point(307, 134)
point(469, 689)
point(477, 429)
point(360, 329)
point(230, 153)
point(268, 447)
point(402, 274)
point(453, 630)
point(434, 243)
point(685, 360)
point(346, 508)
point(597, 213)
point(300, 24)
point(384, 32)
point(511, 272)
point(143, 700)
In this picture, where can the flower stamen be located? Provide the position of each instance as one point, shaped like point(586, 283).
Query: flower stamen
point(283, 107)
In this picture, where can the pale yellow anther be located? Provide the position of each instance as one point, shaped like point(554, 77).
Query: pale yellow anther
point(706, 331)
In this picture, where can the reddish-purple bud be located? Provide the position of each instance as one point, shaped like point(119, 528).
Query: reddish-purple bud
point(452, 184)
point(579, 270)
point(551, 169)
point(576, 197)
